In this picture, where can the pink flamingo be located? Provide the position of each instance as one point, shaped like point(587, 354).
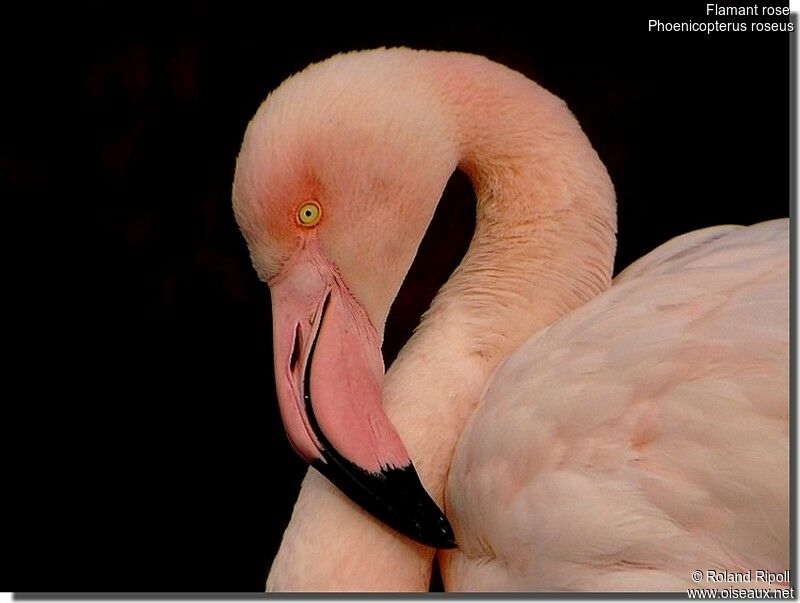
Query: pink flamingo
point(581, 435)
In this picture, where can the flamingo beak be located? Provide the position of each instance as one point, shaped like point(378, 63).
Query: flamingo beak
point(329, 375)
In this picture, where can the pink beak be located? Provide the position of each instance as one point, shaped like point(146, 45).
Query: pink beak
point(329, 376)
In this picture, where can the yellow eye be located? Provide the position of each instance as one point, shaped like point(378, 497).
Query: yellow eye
point(309, 214)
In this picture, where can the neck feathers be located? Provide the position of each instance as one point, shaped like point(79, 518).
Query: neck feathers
point(543, 245)
point(546, 216)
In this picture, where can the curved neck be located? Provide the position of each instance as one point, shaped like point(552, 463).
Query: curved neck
point(543, 245)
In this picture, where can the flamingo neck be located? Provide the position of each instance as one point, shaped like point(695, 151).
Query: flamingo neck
point(543, 245)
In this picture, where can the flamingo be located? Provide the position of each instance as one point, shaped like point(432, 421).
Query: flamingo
point(580, 434)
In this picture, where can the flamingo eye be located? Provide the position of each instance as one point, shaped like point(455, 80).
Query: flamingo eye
point(309, 214)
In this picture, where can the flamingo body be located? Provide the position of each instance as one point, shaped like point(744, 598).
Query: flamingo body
point(641, 437)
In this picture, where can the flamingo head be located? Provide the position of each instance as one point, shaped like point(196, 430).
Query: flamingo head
point(336, 182)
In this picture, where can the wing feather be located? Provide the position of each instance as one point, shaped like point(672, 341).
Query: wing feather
point(641, 437)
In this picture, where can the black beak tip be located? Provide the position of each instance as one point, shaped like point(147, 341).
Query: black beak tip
point(396, 497)
point(444, 537)
point(448, 544)
point(429, 526)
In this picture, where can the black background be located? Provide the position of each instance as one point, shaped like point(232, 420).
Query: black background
point(149, 444)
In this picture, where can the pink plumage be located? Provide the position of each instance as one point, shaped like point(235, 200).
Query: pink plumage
point(581, 435)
